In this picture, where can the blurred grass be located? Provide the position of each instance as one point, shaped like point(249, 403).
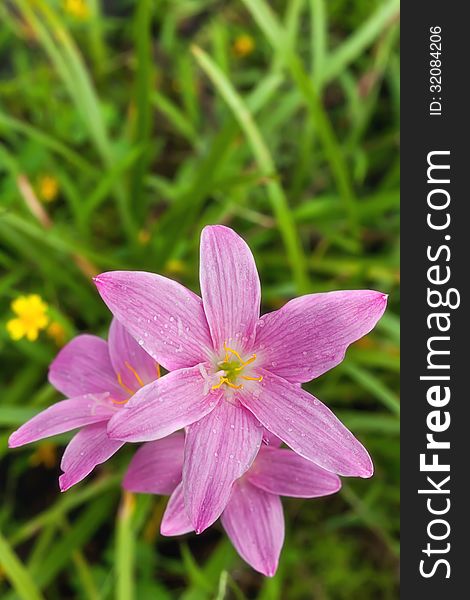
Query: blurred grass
point(154, 124)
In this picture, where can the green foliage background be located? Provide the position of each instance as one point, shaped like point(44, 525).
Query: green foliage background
point(153, 127)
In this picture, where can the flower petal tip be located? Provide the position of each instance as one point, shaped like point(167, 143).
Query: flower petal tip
point(269, 570)
point(65, 483)
point(98, 280)
point(165, 531)
point(14, 440)
point(367, 471)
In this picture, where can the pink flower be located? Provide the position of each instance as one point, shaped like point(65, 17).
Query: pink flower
point(98, 377)
point(253, 517)
point(233, 372)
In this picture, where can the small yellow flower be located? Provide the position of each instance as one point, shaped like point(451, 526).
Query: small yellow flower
point(57, 333)
point(46, 454)
point(78, 9)
point(175, 266)
point(31, 317)
point(143, 237)
point(48, 188)
point(243, 45)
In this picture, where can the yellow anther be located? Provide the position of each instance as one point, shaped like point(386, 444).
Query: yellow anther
point(260, 378)
point(134, 372)
point(157, 366)
point(123, 385)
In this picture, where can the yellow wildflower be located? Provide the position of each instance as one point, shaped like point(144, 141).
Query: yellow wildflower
point(48, 188)
point(78, 9)
point(31, 317)
point(57, 333)
point(45, 454)
point(143, 237)
point(175, 266)
point(243, 45)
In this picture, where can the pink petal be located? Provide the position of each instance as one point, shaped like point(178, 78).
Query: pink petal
point(156, 467)
point(218, 450)
point(134, 366)
point(175, 520)
point(83, 366)
point(306, 425)
point(254, 522)
point(230, 287)
point(269, 439)
point(166, 319)
point(63, 416)
point(285, 473)
point(88, 448)
point(310, 334)
point(164, 406)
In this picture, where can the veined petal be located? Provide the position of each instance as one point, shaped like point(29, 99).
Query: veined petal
point(88, 448)
point(307, 426)
point(285, 473)
point(166, 319)
point(83, 366)
point(63, 416)
point(269, 439)
point(156, 467)
point(218, 450)
point(133, 366)
point(175, 520)
point(310, 334)
point(254, 522)
point(230, 287)
point(164, 406)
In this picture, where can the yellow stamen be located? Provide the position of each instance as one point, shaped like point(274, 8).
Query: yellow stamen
point(246, 362)
point(260, 378)
point(123, 385)
point(243, 362)
point(226, 381)
point(158, 370)
point(227, 349)
point(119, 401)
point(134, 372)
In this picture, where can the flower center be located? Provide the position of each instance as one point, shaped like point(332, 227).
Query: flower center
point(232, 367)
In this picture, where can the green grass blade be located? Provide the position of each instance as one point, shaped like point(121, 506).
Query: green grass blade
point(353, 47)
point(318, 35)
point(33, 133)
point(266, 164)
point(143, 107)
point(17, 574)
point(125, 543)
point(374, 385)
point(276, 35)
